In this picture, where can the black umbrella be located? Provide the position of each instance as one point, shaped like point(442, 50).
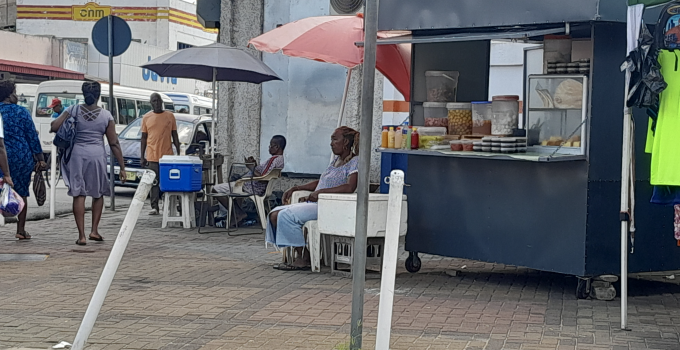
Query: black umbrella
point(214, 62)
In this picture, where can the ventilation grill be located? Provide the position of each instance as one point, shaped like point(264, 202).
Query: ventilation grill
point(346, 7)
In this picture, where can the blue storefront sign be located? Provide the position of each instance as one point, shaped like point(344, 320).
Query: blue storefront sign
point(147, 74)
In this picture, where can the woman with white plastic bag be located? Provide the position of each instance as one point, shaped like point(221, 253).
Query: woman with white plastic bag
point(4, 164)
point(23, 148)
point(11, 203)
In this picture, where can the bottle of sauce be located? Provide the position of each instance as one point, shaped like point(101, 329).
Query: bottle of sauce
point(390, 138)
point(404, 135)
point(409, 137)
point(384, 135)
point(397, 137)
point(415, 139)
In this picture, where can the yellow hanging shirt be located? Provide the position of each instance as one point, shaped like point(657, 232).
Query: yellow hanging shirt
point(664, 144)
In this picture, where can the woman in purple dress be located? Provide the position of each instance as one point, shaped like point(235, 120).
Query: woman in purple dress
point(85, 173)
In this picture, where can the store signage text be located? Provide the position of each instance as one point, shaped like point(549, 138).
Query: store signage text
point(89, 12)
point(147, 74)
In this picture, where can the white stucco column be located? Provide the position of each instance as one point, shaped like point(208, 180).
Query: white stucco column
point(352, 116)
point(238, 130)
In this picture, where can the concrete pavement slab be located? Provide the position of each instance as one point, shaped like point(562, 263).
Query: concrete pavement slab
point(177, 289)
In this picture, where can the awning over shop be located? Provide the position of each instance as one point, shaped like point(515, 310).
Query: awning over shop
point(39, 69)
point(448, 14)
point(485, 35)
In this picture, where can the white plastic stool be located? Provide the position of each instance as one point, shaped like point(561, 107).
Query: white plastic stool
point(170, 214)
point(311, 230)
point(317, 245)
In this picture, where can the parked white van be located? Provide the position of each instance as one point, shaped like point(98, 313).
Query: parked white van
point(26, 94)
point(131, 103)
point(190, 104)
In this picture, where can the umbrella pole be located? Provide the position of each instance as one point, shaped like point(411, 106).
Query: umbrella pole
point(625, 205)
point(212, 134)
point(634, 17)
point(367, 100)
point(344, 102)
point(344, 97)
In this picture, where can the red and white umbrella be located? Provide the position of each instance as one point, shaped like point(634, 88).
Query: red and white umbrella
point(333, 39)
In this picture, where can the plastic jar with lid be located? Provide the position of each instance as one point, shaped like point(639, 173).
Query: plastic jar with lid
point(460, 118)
point(505, 114)
point(456, 145)
point(442, 86)
point(482, 113)
point(436, 114)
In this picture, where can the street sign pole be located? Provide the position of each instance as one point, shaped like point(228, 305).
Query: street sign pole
point(112, 176)
point(111, 37)
point(367, 97)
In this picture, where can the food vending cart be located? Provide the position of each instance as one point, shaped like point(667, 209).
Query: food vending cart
point(555, 206)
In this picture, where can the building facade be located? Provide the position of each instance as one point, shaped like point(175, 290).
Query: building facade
point(158, 27)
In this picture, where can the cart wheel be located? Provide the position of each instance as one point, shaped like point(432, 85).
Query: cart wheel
point(413, 262)
point(583, 288)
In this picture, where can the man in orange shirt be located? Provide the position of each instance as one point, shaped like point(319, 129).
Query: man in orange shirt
point(159, 133)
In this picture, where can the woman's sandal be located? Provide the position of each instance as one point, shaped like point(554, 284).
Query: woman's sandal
point(22, 236)
point(97, 239)
point(78, 242)
point(288, 267)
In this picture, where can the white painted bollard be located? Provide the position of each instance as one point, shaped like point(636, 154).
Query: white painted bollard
point(53, 181)
point(389, 268)
point(114, 260)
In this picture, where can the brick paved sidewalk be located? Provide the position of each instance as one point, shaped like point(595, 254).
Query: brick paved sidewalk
point(176, 289)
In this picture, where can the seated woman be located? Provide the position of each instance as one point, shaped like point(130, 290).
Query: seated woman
point(286, 222)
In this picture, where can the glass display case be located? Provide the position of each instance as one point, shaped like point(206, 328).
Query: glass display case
point(556, 114)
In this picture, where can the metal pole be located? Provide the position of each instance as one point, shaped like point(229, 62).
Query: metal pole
point(367, 96)
point(113, 261)
point(625, 195)
point(390, 255)
point(53, 181)
point(112, 107)
point(213, 176)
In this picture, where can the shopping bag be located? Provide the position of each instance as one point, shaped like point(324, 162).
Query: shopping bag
point(11, 204)
point(39, 189)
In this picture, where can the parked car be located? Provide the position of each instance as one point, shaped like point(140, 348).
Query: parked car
point(194, 131)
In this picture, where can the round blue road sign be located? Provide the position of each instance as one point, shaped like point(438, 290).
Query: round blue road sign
point(122, 35)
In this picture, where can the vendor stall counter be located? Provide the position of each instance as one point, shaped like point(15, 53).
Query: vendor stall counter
point(555, 207)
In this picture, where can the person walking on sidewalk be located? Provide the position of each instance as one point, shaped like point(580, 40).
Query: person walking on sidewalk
point(159, 133)
point(4, 164)
point(22, 146)
point(85, 172)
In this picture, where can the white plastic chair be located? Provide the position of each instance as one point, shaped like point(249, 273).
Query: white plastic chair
point(237, 191)
point(316, 244)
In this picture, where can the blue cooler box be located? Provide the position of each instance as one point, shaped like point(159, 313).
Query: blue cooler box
point(181, 174)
